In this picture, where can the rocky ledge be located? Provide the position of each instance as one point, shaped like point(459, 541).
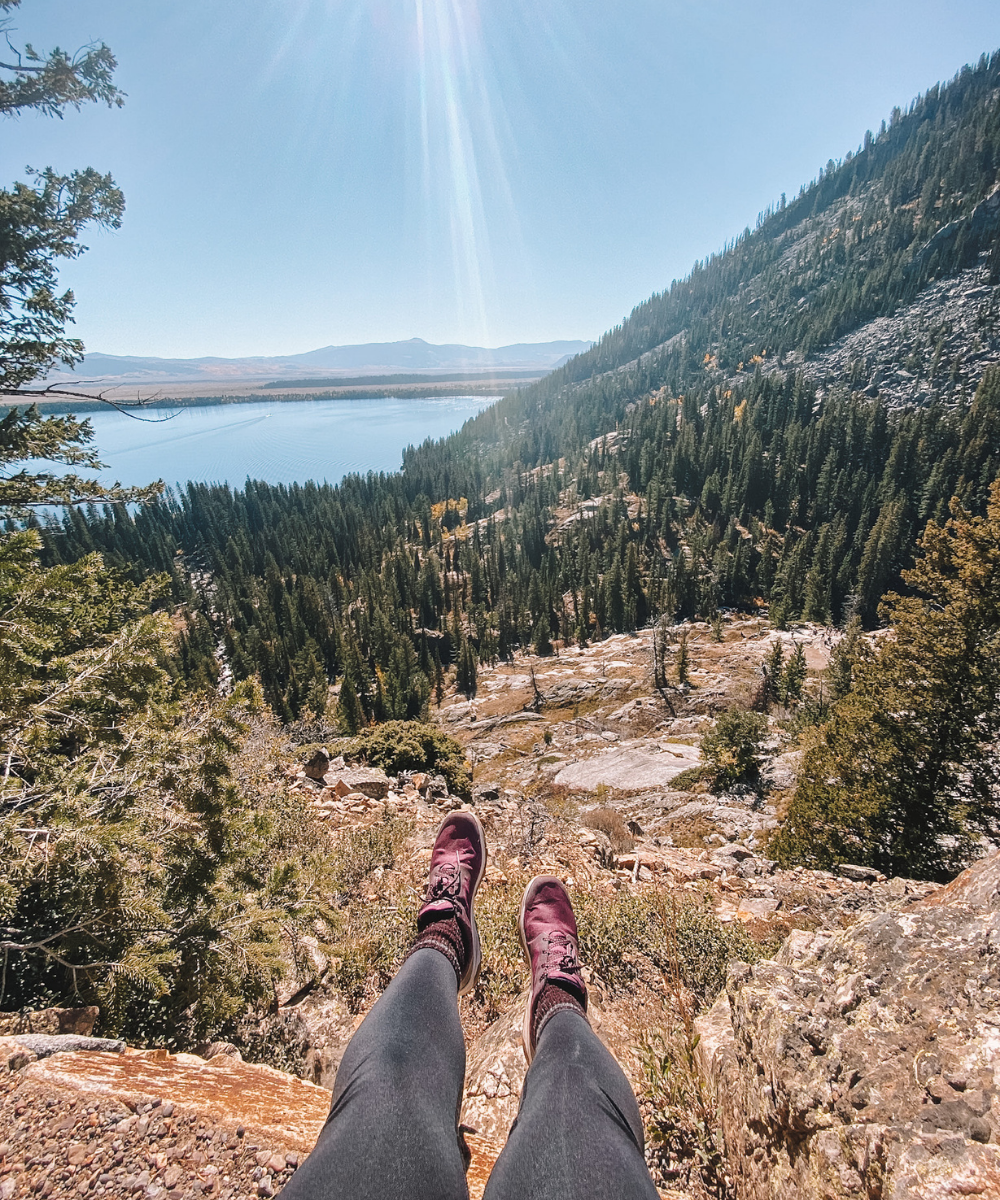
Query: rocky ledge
point(866, 1062)
point(157, 1126)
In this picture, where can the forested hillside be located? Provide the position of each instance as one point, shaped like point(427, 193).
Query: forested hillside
point(689, 460)
point(761, 492)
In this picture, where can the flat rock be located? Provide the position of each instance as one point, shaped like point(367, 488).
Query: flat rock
point(369, 781)
point(42, 1045)
point(693, 808)
point(859, 874)
point(628, 768)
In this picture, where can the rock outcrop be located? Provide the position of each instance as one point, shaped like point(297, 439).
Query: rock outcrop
point(866, 1063)
point(51, 1021)
point(152, 1124)
point(934, 348)
point(160, 1126)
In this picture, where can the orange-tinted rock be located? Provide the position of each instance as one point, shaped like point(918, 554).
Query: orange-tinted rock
point(154, 1124)
point(286, 1109)
point(169, 1127)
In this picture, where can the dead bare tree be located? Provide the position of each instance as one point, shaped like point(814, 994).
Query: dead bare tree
point(662, 640)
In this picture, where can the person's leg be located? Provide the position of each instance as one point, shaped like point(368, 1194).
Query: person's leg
point(578, 1133)
point(392, 1133)
point(392, 1130)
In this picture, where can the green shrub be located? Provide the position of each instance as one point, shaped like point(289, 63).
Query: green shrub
point(412, 746)
point(621, 936)
point(687, 940)
point(372, 947)
point(686, 780)
point(706, 947)
point(361, 851)
point(615, 932)
point(504, 971)
point(733, 747)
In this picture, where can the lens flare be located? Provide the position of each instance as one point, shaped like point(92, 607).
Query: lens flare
point(461, 158)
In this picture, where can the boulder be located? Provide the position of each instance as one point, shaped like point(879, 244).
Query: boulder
point(641, 858)
point(859, 874)
point(370, 781)
point(866, 1063)
point(317, 767)
point(13, 1056)
point(685, 868)
point(314, 1028)
point(79, 1021)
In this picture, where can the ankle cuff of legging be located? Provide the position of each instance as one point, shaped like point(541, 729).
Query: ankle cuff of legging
point(431, 939)
point(552, 1002)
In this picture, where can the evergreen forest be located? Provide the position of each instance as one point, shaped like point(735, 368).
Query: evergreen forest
point(153, 643)
point(683, 464)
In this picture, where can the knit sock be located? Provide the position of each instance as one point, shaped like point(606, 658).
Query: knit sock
point(554, 998)
point(445, 936)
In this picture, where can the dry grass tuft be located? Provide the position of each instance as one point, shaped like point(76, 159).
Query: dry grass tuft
point(610, 822)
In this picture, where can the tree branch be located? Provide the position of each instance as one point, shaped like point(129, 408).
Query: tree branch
point(55, 391)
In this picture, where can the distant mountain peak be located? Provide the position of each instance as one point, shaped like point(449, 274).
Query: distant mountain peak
point(372, 358)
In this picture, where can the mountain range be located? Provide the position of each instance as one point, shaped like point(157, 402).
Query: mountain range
point(413, 354)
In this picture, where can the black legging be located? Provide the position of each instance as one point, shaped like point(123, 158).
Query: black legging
point(392, 1133)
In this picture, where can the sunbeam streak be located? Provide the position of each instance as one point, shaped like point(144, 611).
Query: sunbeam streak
point(460, 155)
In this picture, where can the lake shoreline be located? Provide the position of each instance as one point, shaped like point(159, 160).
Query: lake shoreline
point(61, 405)
point(271, 439)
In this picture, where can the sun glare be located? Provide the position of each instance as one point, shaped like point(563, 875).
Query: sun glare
point(460, 149)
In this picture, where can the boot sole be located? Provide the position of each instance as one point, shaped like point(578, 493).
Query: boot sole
point(477, 950)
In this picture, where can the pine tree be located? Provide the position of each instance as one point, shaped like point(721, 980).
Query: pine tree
point(904, 775)
point(793, 677)
point(541, 641)
point(734, 747)
point(681, 664)
point(773, 673)
point(840, 671)
point(350, 715)
point(466, 670)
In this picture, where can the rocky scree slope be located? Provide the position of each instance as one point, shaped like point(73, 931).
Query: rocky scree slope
point(876, 267)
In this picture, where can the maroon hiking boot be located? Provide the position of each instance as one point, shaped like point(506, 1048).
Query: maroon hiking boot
point(549, 938)
point(446, 920)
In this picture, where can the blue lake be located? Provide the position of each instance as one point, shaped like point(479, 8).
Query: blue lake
point(277, 441)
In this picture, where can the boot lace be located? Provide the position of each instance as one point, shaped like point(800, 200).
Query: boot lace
point(560, 955)
point(446, 881)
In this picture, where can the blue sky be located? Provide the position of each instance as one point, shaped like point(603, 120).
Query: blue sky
point(307, 172)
